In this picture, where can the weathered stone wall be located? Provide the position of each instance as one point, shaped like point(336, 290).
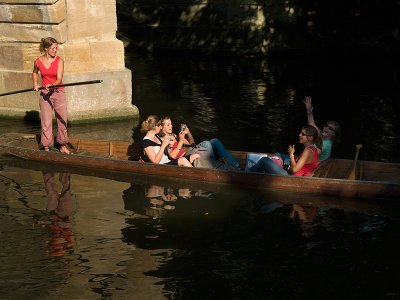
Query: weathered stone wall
point(85, 30)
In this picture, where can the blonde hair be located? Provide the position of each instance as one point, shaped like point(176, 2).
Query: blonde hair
point(162, 122)
point(150, 123)
point(46, 43)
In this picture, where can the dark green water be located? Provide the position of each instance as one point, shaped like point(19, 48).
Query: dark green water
point(257, 104)
point(152, 239)
point(146, 238)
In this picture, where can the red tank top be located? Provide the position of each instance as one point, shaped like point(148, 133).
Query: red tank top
point(309, 168)
point(181, 152)
point(49, 76)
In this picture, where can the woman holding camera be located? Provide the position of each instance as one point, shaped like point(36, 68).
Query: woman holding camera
point(153, 146)
point(213, 149)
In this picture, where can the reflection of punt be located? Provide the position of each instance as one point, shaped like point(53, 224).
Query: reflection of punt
point(374, 179)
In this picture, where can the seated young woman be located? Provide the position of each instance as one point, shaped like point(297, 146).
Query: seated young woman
point(176, 148)
point(330, 134)
point(214, 147)
point(154, 147)
point(304, 164)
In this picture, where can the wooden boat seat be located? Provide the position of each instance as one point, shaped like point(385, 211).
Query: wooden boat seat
point(323, 169)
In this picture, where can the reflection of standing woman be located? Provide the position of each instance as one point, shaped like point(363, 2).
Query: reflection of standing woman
point(60, 207)
point(51, 68)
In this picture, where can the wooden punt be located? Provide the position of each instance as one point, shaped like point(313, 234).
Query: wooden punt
point(374, 180)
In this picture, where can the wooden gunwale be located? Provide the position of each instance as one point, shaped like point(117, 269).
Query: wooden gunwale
point(123, 150)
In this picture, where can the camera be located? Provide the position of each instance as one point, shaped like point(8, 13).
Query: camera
point(183, 127)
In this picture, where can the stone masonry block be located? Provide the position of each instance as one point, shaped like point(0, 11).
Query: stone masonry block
point(32, 32)
point(29, 1)
point(77, 57)
point(94, 56)
point(89, 19)
point(13, 81)
point(18, 56)
point(33, 13)
point(107, 55)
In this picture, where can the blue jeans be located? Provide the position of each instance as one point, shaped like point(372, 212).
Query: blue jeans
point(219, 151)
point(207, 144)
point(266, 165)
point(285, 157)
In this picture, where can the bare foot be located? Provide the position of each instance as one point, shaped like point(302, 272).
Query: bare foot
point(64, 149)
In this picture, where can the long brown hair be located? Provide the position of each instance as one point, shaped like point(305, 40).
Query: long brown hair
point(338, 137)
point(313, 132)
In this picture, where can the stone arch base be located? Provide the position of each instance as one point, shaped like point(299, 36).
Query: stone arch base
point(107, 100)
point(85, 31)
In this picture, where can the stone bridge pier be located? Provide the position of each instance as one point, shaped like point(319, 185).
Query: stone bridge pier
point(85, 30)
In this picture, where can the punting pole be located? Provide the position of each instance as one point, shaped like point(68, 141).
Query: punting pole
point(53, 87)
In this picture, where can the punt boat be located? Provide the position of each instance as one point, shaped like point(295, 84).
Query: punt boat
point(370, 180)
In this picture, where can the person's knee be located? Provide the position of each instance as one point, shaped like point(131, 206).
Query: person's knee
point(193, 157)
point(215, 141)
point(184, 162)
point(206, 144)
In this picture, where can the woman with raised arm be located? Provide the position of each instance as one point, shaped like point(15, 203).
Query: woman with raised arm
point(51, 69)
point(154, 146)
point(303, 165)
point(329, 134)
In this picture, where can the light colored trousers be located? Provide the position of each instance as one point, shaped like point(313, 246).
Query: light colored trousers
point(217, 149)
point(53, 100)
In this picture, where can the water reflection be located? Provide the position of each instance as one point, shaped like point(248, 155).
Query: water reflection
point(60, 209)
point(216, 242)
point(306, 215)
point(158, 200)
point(250, 246)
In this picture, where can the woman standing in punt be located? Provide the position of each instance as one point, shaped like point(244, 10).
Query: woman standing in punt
point(51, 68)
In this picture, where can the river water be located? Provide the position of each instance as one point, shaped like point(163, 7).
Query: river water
point(74, 234)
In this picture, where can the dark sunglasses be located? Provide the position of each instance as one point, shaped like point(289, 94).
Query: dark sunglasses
point(330, 127)
point(304, 134)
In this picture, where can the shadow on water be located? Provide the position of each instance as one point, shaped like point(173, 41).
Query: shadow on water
point(190, 241)
point(249, 247)
point(178, 241)
point(256, 104)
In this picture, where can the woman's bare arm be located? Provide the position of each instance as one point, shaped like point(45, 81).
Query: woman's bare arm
point(310, 115)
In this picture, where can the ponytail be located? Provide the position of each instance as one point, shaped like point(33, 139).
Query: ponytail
point(313, 132)
point(46, 43)
point(318, 142)
point(150, 123)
